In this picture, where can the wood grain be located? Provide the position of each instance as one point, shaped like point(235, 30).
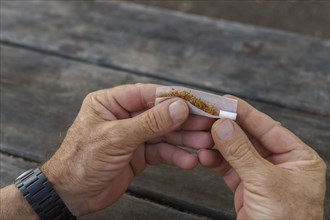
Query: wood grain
point(11, 167)
point(224, 57)
point(40, 96)
point(128, 207)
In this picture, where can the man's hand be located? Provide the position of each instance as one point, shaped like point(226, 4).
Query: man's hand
point(273, 173)
point(114, 137)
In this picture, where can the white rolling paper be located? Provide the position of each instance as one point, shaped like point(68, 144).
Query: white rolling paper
point(226, 107)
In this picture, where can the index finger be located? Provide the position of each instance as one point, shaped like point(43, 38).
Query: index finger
point(266, 130)
point(123, 100)
point(138, 97)
point(134, 97)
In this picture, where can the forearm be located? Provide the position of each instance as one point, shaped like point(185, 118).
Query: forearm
point(14, 206)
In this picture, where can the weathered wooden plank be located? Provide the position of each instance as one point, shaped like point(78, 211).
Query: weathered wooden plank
point(261, 64)
point(128, 207)
point(40, 96)
point(11, 167)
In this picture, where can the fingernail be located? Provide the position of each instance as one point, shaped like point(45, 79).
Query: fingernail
point(225, 130)
point(178, 111)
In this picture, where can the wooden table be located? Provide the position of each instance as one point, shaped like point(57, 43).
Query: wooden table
point(54, 53)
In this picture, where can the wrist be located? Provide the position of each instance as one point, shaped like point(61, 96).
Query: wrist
point(61, 180)
point(14, 205)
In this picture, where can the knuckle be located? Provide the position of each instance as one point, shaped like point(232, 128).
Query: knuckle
point(90, 95)
point(139, 84)
point(155, 122)
point(152, 123)
point(90, 98)
point(93, 107)
point(277, 123)
point(323, 166)
point(93, 101)
point(237, 150)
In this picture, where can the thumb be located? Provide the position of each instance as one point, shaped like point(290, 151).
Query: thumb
point(155, 122)
point(237, 149)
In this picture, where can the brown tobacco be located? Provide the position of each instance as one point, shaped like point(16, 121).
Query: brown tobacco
point(211, 109)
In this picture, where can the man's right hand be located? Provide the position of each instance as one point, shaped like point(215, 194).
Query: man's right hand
point(273, 173)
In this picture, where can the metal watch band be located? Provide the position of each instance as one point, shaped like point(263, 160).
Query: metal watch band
point(40, 194)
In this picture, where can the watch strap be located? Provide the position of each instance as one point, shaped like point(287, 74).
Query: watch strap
point(40, 194)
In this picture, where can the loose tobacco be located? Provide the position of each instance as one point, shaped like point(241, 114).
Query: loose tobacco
point(199, 103)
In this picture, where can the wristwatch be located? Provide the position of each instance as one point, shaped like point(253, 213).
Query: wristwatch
point(40, 194)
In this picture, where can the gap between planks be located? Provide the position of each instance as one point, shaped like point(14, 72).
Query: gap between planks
point(15, 156)
point(179, 205)
point(149, 75)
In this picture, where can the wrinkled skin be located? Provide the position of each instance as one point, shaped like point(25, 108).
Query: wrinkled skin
point(114, 137)
point(273, 174)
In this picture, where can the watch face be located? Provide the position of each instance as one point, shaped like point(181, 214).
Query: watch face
point(23, 174)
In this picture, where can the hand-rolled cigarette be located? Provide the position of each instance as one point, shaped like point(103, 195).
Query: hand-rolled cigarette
point(200, 103)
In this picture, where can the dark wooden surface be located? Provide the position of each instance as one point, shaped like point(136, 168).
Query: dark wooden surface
point(53, 54)
point(276, 67)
